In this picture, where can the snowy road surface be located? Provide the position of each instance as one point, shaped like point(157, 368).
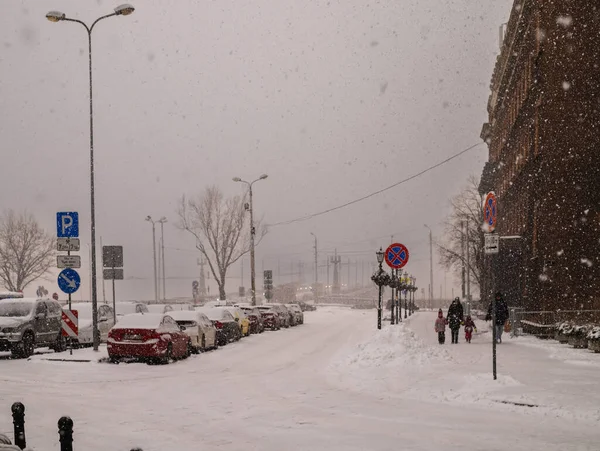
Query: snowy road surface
point(331, 384)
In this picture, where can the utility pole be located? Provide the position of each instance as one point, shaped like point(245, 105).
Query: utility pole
point(316, 267)
point(348, 283)
point(162, 240)
point(336, 260)
point(242, 272)
point(430, 266)
point(462, 258)
point(327, 287)
point(149, 219)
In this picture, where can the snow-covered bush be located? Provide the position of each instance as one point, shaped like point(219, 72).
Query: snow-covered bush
point(563, 331)
point(578, 336)
point(593, 338)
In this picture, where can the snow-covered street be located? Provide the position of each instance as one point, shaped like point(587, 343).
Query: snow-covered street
point(334, 383)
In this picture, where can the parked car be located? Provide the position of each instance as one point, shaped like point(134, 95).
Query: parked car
point(159, 308)
point(271, 319)
point(255, 318)
point(284, 314)
point(241, 318)
point(306, 307)
point(128, 307)
point(29, 323)
point(150, 336)
point(297, 312)
point(227, 328)
point(198, 327)
point(84, 314)
point(11, 295)
point(186, 307)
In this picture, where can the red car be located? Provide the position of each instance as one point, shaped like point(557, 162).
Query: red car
point(149, 336)
point(271, 319)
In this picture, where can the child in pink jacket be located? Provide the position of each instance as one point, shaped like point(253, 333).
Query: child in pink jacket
point(440, 327)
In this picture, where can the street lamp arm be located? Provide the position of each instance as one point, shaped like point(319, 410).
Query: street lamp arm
point(88, 29)
point(101, 18)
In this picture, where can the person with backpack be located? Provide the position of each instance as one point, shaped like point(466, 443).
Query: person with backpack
point(455, 318)
point(501, 315)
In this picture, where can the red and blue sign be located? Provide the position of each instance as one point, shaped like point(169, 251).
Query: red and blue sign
point(396, 256)
point(490, 211)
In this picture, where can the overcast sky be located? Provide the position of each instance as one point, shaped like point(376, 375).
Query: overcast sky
point(333, 99)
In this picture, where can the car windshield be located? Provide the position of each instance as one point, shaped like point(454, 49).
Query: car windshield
point(15, 309)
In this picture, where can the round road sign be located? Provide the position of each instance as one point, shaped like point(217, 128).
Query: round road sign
point(490, 211)
point(396, 256)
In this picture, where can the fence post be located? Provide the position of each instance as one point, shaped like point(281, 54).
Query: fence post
point(65, 433)
point(18, 414)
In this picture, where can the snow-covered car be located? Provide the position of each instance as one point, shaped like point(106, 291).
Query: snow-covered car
point(240, 318)
point(150, 336)
point(198, 327)
point(270, 317)
point(11, 295)
point(128, 307)
point(227, 327)
point(84, 315)
point(182, 307)
point(160, 308)
point(29, 323)
point(297, 312)
point(254, 316)
point(284, 314)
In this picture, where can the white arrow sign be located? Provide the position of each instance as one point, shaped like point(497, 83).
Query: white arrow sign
point(70, 282)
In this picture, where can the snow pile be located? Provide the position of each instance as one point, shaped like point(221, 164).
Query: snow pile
point(395, 346)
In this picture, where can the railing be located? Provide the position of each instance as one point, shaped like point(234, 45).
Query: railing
point(544, 324)
point(65, 431)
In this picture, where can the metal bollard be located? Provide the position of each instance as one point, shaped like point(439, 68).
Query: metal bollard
point(65, 433)
point(18, 414)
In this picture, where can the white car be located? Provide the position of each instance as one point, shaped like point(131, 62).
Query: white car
point(198, 327)
point(160, 308)
point(128, 307)
point(84, 315)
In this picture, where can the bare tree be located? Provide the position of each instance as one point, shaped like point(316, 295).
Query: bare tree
point(221, 229)
point(466, 212)
point(27, 252)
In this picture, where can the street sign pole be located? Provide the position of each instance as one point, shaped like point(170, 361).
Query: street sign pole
point(492, 247)
point(114, 296)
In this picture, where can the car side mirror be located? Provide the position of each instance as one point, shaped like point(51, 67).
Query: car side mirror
point(182, 328)
point(237, 320)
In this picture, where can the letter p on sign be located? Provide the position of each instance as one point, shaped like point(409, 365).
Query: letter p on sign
point(67, 224)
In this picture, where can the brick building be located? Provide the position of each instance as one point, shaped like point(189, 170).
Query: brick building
point(543, 135)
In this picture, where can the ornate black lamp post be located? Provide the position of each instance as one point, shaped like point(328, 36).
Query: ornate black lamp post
point(380, 278)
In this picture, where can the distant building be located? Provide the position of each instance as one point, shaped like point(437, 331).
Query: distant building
point(543, 135)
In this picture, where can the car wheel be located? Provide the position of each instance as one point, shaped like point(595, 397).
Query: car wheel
point(26, 348)
point(189, 349)
point(168, 355)
point(61, 343)
point(203, 346)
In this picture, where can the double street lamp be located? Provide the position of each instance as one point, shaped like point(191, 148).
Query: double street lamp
point(56, 16)
point(252, 234)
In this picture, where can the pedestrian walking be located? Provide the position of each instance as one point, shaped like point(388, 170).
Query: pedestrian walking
point(501, 315)
point(455, 318)
point(440, 327)
point(469, 327)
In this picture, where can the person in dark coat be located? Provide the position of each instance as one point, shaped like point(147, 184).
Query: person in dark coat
point(455, 318)
point(501, 315)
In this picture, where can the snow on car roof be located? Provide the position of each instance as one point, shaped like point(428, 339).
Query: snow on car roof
point(184, 315)
point(213, 313)
point(140, 320)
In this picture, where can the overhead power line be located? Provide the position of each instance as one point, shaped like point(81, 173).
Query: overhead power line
point(355, 201)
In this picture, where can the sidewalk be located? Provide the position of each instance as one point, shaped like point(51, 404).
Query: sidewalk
point(534, 377)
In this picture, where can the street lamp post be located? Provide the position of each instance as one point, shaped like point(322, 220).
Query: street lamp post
point(56, 16)
point(149, 219)
point(430, 266)
point(316, 268)
point(162, 240)
point(380, 278)
point(252, 234)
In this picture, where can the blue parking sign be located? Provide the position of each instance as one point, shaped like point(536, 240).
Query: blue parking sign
point(67, 224)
